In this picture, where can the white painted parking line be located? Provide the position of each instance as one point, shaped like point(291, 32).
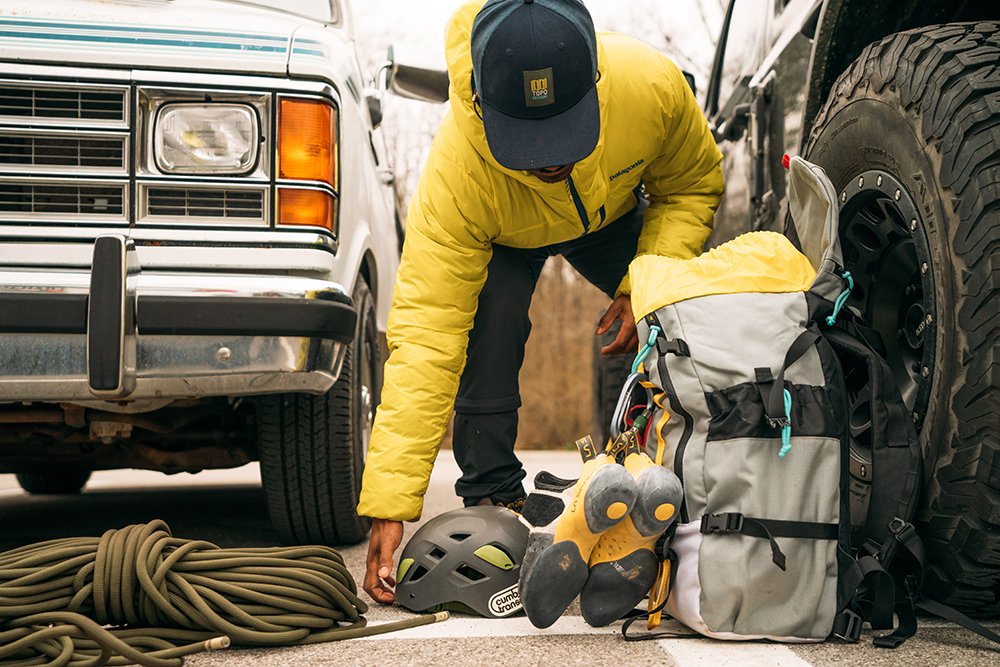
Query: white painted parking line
point(712, 653)
point(497, 627)
point(685, 652)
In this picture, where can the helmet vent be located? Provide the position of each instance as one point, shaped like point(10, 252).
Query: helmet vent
point(496, 555)
point(470, 573)
point(460, 537)
point(417, 573)
point(437, 554)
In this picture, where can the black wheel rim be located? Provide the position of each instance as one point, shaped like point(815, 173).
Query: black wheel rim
point(885, 249)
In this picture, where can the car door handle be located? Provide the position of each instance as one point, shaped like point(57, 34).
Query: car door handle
point(732, 128)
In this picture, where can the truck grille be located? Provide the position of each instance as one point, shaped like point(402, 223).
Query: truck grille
point(61, 198)
point(201, 202)
point(19, 151)
point(24, 101)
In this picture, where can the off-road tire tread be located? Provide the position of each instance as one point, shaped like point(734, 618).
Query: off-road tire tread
point(949, 76)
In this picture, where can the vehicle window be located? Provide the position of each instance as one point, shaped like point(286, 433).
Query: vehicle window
point(745, 32)
point(321, 10)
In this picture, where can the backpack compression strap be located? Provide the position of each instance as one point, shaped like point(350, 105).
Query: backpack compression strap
point(734, 522)
point(772, 388)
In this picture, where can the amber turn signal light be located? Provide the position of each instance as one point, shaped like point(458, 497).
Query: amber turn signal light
point(307, 140)
point(305, 207)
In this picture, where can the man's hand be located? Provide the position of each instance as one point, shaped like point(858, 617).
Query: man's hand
point(628, 338)
point(379, 580)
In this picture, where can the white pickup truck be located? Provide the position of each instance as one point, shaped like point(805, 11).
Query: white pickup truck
point(199, 234)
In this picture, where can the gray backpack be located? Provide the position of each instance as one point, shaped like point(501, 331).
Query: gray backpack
point(746, 347)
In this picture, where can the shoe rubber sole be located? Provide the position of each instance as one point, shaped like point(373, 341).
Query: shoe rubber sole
point(556, 563)
point(622, 566)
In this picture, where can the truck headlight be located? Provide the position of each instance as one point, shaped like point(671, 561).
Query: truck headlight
point(206, 139)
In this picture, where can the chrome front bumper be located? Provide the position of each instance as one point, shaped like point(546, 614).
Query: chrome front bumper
point(119, 334)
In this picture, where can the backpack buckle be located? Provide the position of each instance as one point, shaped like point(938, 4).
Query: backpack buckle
point(847, 627)
point(897, 526)
point(677, 347)
point(778, 422)
point(727, 522)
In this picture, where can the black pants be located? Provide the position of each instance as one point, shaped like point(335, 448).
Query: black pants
point(488, 396)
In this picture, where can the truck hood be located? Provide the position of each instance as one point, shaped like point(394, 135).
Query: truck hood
point(206, 35)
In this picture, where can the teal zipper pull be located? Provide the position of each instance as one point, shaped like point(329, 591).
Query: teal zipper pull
point(786, 429)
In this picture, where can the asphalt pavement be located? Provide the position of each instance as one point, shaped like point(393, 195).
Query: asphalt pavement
point(228, 509)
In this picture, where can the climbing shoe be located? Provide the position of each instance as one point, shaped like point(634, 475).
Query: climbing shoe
point(623, 565)
point(566, 519)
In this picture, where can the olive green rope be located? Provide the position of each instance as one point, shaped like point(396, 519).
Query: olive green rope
point(140, 595)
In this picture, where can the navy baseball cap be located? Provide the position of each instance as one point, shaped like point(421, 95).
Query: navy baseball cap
point(534, 66)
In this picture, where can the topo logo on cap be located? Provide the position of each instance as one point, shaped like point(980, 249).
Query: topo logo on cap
point(538, 88)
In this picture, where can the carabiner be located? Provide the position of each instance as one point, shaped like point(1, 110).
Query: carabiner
point(625, 402)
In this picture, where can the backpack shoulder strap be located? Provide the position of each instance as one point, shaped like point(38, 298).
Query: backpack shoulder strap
point(882, 584)
point(894, 446)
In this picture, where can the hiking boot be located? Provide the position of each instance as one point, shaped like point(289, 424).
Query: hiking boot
point(566, 519)
point(623, 565)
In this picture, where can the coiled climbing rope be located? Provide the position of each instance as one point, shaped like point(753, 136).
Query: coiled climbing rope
point(141, 596)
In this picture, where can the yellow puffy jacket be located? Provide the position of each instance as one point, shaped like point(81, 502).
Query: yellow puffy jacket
point(651, 129)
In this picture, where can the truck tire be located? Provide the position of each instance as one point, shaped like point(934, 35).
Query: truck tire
point(62, 483)
point(313, 448)
point(910, 137)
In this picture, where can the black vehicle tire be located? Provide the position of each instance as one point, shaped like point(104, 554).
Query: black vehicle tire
point(313, 448)
point(62, 483)
point(609, 375)
point(910, 137)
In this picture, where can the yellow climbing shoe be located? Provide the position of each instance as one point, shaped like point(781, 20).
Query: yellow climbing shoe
point(623, 565)
point(566, 519)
